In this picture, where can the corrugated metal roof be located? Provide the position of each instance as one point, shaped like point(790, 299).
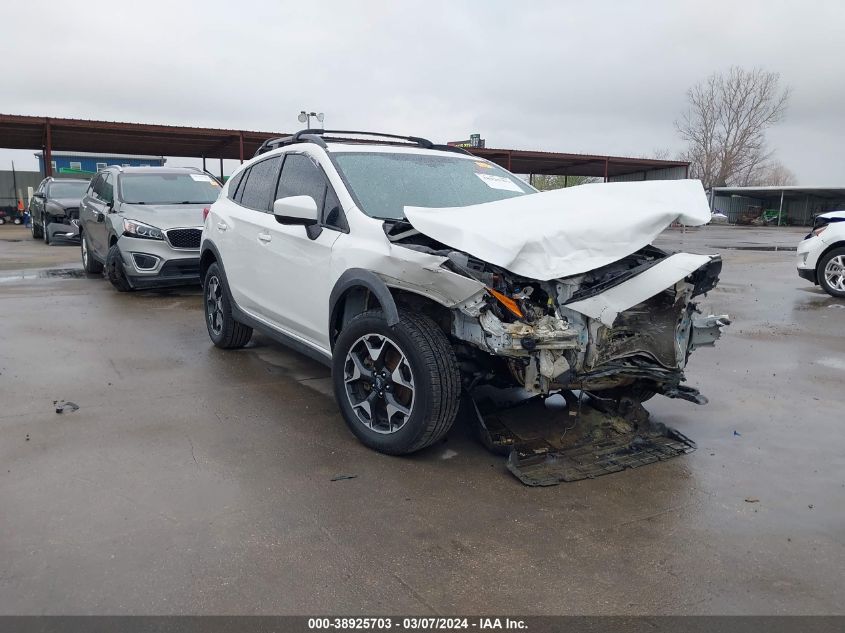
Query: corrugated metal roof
point(105, 137)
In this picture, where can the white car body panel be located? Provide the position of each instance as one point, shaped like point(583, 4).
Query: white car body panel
point(565, 232)
point(810, 249)
point(281, 278)
point(666, 273)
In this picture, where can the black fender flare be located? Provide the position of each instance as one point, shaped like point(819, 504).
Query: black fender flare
point(206, 247)
point(361, 278)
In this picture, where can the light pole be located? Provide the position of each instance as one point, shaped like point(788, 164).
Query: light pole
point(306, 117)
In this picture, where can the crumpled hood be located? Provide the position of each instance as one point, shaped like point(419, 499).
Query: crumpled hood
point(568, 231)
point(165, 216)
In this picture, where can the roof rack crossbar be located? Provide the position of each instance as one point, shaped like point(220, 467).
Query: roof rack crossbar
point(424, 142)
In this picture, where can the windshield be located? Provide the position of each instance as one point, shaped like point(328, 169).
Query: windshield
point(70, 189)
point(163, 188)
point(386, 183)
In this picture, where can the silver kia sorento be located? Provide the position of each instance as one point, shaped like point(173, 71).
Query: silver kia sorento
point(143, 225)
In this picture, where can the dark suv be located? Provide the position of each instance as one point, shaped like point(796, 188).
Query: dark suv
point(143, 224)
point(54, 209)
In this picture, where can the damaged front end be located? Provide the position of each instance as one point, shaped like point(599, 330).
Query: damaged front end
point(628, 325)
point(606, 340)
point(601, 332)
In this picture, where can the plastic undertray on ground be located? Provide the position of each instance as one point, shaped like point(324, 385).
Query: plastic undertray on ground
point(549, 441)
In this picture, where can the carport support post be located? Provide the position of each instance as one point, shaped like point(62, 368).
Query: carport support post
point(606, 168)
point(780, 211)
point(48, 150)
point(241, 145)
point(221, 169)
point(203, 163)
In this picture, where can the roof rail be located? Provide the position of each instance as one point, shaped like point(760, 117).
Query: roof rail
point(316, 136)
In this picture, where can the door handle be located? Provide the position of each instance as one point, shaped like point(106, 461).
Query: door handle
point(265, 237)
point(222, 226)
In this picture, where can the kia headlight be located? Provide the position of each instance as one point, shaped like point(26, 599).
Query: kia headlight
point(133, 228)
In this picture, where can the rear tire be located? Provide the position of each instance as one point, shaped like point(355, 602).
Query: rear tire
point(831, 272)
point(89, 264)
point(225, 332)
point(407, 397)
point(114, 270)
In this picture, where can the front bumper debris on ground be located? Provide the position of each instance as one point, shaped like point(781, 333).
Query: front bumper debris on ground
point(568, 437)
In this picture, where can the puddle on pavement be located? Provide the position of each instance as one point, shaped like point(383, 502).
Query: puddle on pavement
point(821, 304)
point(833, 363)
point(753, 248)
point(45, 273)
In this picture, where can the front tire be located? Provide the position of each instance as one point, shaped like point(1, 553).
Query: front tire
point(114, 270)
point(37, 233)
point(398, 387)
point(44, 232)
point(831, 272)
point(225, 332)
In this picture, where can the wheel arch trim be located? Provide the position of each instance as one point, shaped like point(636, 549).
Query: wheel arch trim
point(361, 279)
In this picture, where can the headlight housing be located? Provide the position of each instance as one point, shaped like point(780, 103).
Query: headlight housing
point(133, 228)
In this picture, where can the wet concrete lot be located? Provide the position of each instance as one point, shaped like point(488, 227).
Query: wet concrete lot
point(193, 480)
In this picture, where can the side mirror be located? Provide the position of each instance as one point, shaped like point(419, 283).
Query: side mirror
point(101, 217)
point(296, 210)
point(39, 194)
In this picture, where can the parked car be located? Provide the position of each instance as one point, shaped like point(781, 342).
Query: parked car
point(10, 214)
point(143, 224)
point(417, 271)
point(54, 209)
point(821, 256)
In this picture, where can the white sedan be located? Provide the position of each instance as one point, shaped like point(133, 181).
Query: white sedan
point(821, 256)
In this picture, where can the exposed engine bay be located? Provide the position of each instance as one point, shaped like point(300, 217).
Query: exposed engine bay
point(603, 342)
point(578, 332)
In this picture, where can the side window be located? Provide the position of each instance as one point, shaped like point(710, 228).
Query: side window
point(333, 215)
point(242, 186)
point(107, 192)
point(258, 188)
point(301, 177)
point(234, 181)
point(96, 186)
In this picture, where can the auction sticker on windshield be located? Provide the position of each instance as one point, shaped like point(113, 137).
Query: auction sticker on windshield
point(499, 182)
point(202, 178)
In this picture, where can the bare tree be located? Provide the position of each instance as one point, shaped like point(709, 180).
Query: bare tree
point(725, 125)
point(772, 173)
point(546, 182)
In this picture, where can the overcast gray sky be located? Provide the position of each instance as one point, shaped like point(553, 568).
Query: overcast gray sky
point(599, 77)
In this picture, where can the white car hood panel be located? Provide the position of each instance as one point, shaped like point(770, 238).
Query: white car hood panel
point(664, 274)
point(565, 232)
point(832, 214)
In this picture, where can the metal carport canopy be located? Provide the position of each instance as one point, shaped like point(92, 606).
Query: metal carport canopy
point(774, 192)
point(56, 134)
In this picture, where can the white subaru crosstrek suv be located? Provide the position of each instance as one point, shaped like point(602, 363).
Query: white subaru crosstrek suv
point(821, 256)
point(419, 272)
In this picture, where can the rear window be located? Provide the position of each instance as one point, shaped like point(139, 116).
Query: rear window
point(168, 188)
point(260, 184)
point(74, 189)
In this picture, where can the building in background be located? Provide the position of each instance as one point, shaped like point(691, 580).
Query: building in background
point(776, 205)
point(76, 164)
